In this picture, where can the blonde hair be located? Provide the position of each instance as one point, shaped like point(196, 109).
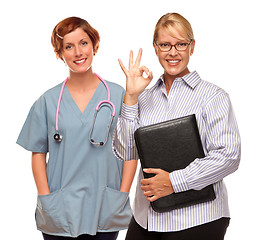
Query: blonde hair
point(170, 20)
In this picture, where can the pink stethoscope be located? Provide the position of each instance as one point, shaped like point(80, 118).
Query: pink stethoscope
point(58, 137)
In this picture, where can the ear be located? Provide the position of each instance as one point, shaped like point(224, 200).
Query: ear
point(95, 49)
point(192, 47)
point(155, 48)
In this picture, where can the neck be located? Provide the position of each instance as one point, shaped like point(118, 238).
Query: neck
point(169, 79)
point(82, 81)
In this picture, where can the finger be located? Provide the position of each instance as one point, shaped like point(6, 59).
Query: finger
point(123, 67)
point(152, 170)
point(152, 198)
point(147, 71)
point(146, 181)
point(145, 188)
point(144, 69)
point(138, 59)
point(150, 76)
point(131, 59)
point(148, 193)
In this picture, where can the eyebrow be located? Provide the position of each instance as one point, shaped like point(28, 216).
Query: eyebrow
point(179, 41)
point(69, 43)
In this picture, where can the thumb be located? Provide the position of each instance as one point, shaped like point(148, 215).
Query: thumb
point(151, 170)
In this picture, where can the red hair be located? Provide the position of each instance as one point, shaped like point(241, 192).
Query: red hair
point(68, 25)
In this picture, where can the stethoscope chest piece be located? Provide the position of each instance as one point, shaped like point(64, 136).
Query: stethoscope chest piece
point(57, 137)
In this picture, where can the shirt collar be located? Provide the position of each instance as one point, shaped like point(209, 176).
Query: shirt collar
point(191, 79)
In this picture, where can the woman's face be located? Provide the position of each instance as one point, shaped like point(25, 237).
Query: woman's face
point(78, 51)
point(175, 63)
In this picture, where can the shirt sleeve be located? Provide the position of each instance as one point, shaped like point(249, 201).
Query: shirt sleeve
point(34, 134)
point(223, 147)
point(123, 144)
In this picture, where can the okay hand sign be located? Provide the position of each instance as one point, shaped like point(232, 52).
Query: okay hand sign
point(135, 81)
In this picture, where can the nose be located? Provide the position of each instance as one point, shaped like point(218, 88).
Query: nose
point(78, 51)
point(173, 51)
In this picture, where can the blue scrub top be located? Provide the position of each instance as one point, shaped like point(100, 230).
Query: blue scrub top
point(84, 180)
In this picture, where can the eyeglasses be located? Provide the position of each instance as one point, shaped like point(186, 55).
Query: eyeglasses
point(181, 46)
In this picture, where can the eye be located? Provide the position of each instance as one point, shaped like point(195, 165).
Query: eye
point(164, 45)
point(68, 47)
point(182, 44)
point(84, 43)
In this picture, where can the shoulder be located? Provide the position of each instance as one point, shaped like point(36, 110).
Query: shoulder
point(116, 95)
point(201, 86)
point(210, 90)
point(53, 91)
point(115, 87)
point(212, 96)
point(51, 95)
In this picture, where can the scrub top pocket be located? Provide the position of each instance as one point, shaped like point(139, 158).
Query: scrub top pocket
point(115, 211)
point(50, 215)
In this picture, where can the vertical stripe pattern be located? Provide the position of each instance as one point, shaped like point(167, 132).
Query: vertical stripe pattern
point(220, 139)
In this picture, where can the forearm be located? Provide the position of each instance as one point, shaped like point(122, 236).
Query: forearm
point(123, 138)
point(203, 172)
point(222, 145)
point(128, 173)
point(39, 173)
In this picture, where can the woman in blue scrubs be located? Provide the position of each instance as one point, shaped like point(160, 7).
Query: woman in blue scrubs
point(79, 187)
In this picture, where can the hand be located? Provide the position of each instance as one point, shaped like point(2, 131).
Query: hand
point(135, 82)
point(157, 186)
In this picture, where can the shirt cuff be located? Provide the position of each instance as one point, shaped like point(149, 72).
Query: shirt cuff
point(178, 181)
point(129, 112)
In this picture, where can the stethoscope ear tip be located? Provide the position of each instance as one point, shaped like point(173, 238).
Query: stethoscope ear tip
point(100, 144)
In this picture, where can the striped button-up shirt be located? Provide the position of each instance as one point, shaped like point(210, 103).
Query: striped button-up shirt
point(220, 139)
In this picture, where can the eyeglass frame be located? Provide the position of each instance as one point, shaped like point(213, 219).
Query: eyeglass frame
point(171, 46)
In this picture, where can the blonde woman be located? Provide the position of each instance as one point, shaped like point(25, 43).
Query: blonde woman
point(177, 93)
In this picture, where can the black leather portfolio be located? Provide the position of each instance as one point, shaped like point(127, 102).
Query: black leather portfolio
point(172, 145)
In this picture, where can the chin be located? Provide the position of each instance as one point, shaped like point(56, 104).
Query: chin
point(80, 70)
point(176, 73)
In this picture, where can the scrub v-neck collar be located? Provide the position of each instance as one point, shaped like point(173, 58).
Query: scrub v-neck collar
point(85, 115)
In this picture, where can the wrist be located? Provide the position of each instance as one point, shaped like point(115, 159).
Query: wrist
point(130, 100)
point(43, 192)
point(125, 189)
point(178, 181)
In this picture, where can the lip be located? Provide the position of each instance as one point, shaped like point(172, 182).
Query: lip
point(173, 62)
point(80, 61)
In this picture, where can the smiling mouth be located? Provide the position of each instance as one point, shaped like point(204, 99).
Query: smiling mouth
point(173, 61)
point(80, 61)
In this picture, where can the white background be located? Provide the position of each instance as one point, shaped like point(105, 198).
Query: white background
point(227, 53)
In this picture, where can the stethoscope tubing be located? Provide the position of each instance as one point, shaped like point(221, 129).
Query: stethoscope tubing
point(58, 137)
point(58, 106)
point(109, 102)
